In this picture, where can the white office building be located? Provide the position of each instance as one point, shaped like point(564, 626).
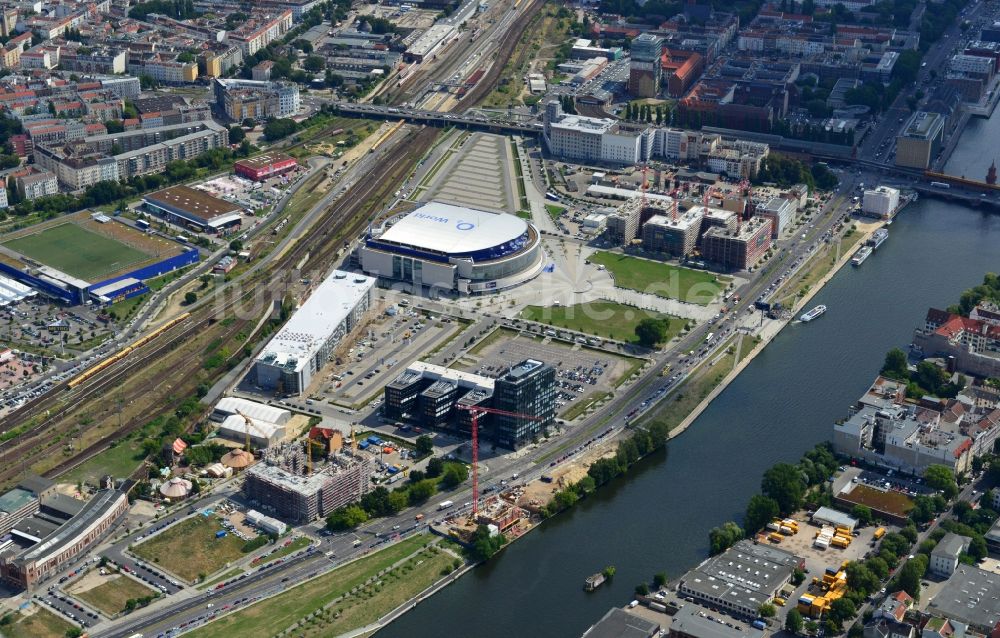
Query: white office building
point(594, 139)
point(880, 202)
point(301, 349)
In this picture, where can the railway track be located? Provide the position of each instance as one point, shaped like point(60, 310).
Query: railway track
point(319, 248)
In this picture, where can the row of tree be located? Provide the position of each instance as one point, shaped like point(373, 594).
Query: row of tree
point(926, 379)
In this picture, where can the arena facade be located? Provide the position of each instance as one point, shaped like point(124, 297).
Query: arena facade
point(454, 248)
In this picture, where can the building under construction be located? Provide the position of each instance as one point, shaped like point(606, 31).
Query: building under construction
point(675, 235)
point(737, 249)
point(624, 224)
point(284, 484)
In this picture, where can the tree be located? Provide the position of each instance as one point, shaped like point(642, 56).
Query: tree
point(236, 135)
point(424, 445)
point(941, 477)
point(76, 632)
point(793, 621)
point(977, 548)
point(784, 484)
point(760, 511)
point(659, 580)
point(434, 467)
point(842, 610)
point(642, 589)
point(863, 513)
point(767, 610)
point(723, 537)
point(236, 245)
point(909, 575)
point(190, 298)
point(345, 518)
point(276, 129)
point(314, 63)
point(484, 546)
point(861, 579)
point(652, 331)
point(248, 122)
point(454, 475)
point(420, 492)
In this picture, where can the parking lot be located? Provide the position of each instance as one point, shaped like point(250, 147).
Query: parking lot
point(37, 325)
point(580, 371)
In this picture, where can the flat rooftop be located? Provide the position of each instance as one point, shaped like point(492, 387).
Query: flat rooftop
point(192, 201)
point(923, 125)
point(437, 373)
point(316, 320)
point(618, 623)
point(265, 160)
point(95, 509)
point(971, 596)
point(695, 621)
point(684, 220)
point(15, 499)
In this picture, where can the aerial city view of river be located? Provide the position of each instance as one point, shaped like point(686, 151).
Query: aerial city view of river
point(657, 517)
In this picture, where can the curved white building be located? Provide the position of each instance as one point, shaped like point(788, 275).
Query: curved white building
point(455, 248)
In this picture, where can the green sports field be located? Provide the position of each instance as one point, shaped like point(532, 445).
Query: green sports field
point(76, 251)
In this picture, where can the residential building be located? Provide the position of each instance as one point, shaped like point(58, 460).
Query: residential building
point(32, 182)
point(737, 249)
point(971, 343)
point(673, 235)
point(920, 141)
point(260, 30)
point(945, 555)
point(241, 99)
point(163, 69)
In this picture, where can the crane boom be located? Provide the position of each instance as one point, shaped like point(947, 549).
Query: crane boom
point(475, 411)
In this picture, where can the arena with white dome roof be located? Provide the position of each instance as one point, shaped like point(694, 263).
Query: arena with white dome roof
point(454, 248)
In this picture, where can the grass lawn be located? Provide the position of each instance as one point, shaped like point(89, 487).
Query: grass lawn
point(41, 624)
point(76, 251)
point(660, 279)
point(491, 338)
point(119, 460)
point(555, 210)
point(700, 384)
point(293, 546)
point(523, 214)
point(818, 267)
point(190, 548)
point(600, 318)
point(271, 616)
point(582, 404)
point(110, 597)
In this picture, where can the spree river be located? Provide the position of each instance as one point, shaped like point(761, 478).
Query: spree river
point(658, 517)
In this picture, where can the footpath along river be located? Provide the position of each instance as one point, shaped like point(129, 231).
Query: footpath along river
point(657, 518)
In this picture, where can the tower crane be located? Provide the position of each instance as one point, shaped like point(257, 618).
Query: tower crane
point(248, 423)
point(476, 411)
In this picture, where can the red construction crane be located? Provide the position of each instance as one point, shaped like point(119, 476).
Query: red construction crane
point(477, 410)
point(644, 186)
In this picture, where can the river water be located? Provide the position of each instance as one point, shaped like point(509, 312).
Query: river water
point(657, 518)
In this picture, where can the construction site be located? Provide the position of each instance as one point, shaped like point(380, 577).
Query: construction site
point(288, 484)
point(497, 513)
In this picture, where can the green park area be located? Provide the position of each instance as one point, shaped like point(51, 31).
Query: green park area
point(40, 623)
point(190, 548)
point(661, 279)
point(112, 596)
point(346, 598)
point(605, 319)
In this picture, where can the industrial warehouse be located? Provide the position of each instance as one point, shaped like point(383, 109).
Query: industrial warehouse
point(193, 208)
point(454, 249)
point(264, 166)
point(304, 345)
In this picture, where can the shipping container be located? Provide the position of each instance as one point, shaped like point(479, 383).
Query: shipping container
point(786, 530)
point(879, 533)
point(775, 537)
point(774, 527)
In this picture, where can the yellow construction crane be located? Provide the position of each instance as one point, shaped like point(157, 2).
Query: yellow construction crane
point(248, 423)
